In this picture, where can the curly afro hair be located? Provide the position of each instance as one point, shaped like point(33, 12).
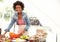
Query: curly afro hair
point(18, 3)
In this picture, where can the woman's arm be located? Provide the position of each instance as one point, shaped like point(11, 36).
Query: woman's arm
point(27, 23)
point(10, 26)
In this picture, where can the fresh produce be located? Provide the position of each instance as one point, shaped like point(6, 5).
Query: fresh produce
point(13, 35)
point(24, 37)
point(20, 40)
point(7, 40)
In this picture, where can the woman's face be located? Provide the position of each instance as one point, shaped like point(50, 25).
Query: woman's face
point(18, 8)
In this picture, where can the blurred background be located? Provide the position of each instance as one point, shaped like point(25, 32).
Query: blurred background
point(47, 11)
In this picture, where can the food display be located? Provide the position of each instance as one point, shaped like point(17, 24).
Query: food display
point(23, 38)
point(40, 35)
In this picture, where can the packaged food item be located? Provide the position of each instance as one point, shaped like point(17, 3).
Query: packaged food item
point(40, 35)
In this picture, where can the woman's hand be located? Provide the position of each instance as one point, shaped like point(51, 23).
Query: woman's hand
point(3, 35)
point(21, 32)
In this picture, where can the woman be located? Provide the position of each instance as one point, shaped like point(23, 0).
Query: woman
point(19, 17)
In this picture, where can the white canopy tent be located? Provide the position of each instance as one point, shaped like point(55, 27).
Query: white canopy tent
point(47, 11)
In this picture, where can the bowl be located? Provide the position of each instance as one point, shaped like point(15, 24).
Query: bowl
point(19, 40)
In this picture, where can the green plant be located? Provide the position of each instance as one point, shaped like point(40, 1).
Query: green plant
point(1, 0)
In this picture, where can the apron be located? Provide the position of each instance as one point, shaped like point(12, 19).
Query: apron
point(19, 26)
